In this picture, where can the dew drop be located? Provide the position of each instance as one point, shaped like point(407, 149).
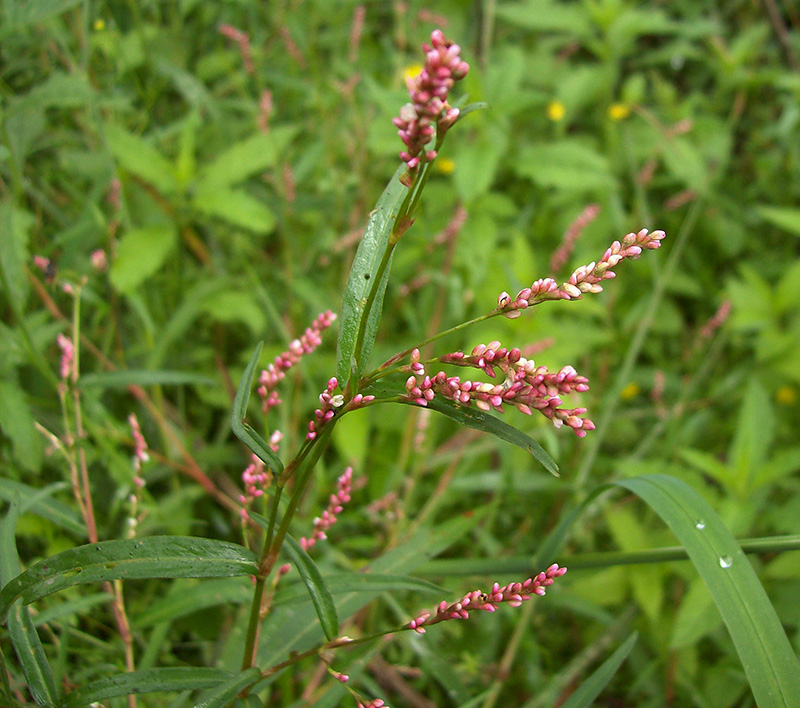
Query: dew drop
point(700, 524)
point(725, 562)
point(49, 581)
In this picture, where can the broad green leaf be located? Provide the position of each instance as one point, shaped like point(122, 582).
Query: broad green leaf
point(15, 225)
point(122, 378)
point(17, 423)
point(768, 659)
point(137, 156)
point(244, 159)
point(565, 164)
point(784, 218)
point(25, 13)
point(546, 16)
point(21, 629)
point(242, 430)
point(236, 207)
point(156, 557)
point(140, 253)
point(368, 257)
point(584, 695)
point(320, 595)
point(223, 694)
point(487, 423)
point(177, 678)
point(50, 509)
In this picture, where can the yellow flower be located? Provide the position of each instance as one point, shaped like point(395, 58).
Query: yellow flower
point(99, 25)
point(630, 391)
point(618, 111)
point(786, 395)
point(445, 165)
point(412, 71)
point(555, 111)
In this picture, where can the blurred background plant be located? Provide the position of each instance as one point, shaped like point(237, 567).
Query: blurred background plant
point(199, 174)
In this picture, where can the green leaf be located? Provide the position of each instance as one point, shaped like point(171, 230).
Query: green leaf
point(320, 595)
point(236, 207)
point(140, 253)
point(50, 509)
point(178, 678)
point(15, 225)
point(565, 164)
point(365, 267)
point(766, 654)
point(223, 694)
point(25, 13)
point(487, 423)
point(589, 690)
point(242, 430)
point(783, 217)
point(16, 422)
point(156, 557)
point(137, 156)
point(182, 600)
point(123, 378)
point(21, 629)
point(246, 158)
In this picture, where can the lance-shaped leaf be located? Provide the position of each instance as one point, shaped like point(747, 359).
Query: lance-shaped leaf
point(22, 631)
point(242, 430)
point(320, 595)
point(487, 423)
point(156, 557)
point(177, 678)
point(766, 654)
point(374, 244)
point(222, 695)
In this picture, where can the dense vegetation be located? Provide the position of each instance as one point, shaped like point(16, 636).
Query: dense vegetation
point(179, 181)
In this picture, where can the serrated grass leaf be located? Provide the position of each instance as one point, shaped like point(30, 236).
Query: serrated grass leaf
point(317, 589)
point(155, 557)
point(365, 266)
point(242, 430)
point(764, 650)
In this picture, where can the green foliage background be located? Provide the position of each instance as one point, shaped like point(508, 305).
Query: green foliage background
point(232, 223)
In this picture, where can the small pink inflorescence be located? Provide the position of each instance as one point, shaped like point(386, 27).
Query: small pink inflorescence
point(276, 371)
point(585, 279)
point(525, 385)
point(429, 112)
point(329, 403)
point(513, 594)
point(329, 516)
point(67, 355)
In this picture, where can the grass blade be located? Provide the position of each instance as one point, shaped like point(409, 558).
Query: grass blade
point(156, 557)
point(320, 595)
point(24, 638)
point(766, 654)
point(242, 430)
point(589, 690)
point(223, 694)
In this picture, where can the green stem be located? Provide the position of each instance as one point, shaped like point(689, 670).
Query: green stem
point(522, 564)
point(304, 464)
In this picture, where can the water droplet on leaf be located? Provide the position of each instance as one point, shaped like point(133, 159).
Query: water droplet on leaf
point(725, 562)
point(700, 524)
